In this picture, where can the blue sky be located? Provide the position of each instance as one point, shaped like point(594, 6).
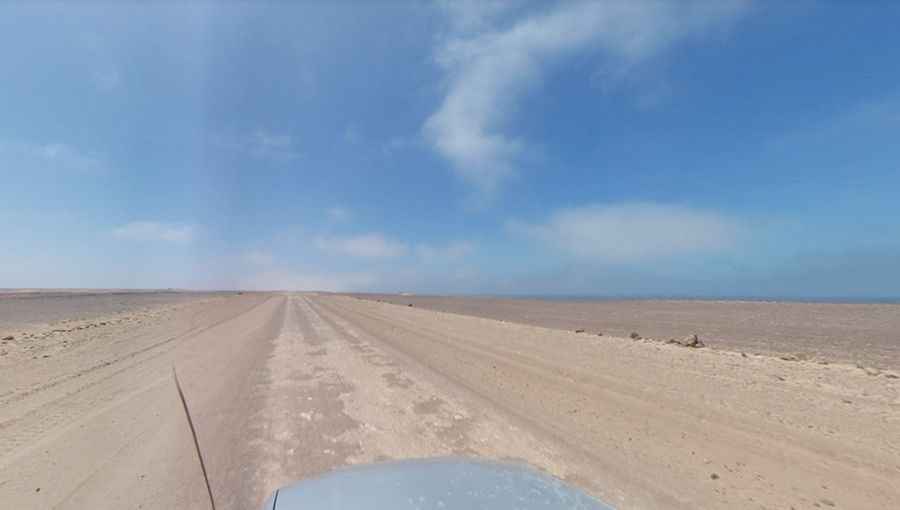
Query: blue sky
point(613, 148)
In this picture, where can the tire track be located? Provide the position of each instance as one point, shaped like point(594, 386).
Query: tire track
point(92, 394)
point(596, 416)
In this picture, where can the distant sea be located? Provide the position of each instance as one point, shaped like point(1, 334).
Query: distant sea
point(762, 299)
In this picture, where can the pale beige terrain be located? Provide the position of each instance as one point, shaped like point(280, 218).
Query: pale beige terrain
point(864, 333)
point(22, 307)
point(285, 386)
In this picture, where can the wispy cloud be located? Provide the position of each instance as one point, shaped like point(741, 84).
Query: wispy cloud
point(352, 134)
point(372, 245)
point(488, 70)
point(48, 157)
point(261, 144)
point(631, 232)
point(260, 258)
point(156, 231)
point(107, 79)
point(399, 144)
point(300, 280)
point(273, 145)
point(868, 120)
point(338, 214)
point(475, 15)
point(444, 254)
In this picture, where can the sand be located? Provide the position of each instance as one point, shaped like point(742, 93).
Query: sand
point(868, 334)
point(286, 386)
point(21, 307)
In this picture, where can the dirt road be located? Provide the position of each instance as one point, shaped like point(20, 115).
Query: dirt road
point(283, 387)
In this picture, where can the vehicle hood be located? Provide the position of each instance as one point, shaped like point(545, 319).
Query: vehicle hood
point(445, 484)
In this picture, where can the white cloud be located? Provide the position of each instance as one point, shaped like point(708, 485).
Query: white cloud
point(372, 245)
point(156, 231)
point(298, 280)
point(488, 70)
point(338, 214)
point(474, 15)
point(632, 232)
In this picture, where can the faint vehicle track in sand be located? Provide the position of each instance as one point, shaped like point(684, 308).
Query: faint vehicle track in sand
point(58, 400)
point(95, 399)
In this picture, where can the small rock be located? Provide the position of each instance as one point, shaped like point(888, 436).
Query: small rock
point(789, 357)
point(599, 334)
point(7, 338)
point(634, 335)
point(579, 331)
point(714, 476)
point(688, 341)
point(872, 371)
point(37, 490)
point(743, 354)
point(692, 341)
point(410, 304)
point(826, 502)
point(892, 376)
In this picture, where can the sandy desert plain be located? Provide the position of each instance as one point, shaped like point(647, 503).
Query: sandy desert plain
point(788, 405)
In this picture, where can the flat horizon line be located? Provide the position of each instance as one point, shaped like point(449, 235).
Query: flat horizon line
point(757, 298)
